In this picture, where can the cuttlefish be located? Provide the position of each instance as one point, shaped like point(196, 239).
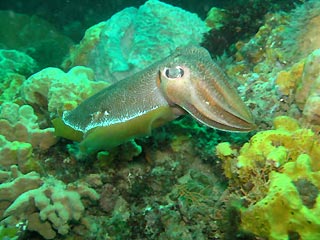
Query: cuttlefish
point(188, 81)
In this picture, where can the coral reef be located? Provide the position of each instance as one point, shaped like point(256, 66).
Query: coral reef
point(254, 67)
point(291, 206)
point(18, 153)
point(55, 91)
point(48, 205)
point(17, 62)
point(308, 89)
point(287, 80)
point(177, 200)
point(14, 183)
point(301, 37)
point(175, 184)
point(133, 39)
point(301, 82)
point(19, 123)
point(20, 134)
point(10, 87)
point(14, 67)
point(34, 36)
point(270, 173)
point(217, 18)
point(80, 53)
point(273, 171)
point(238, 20)
point(269, 73)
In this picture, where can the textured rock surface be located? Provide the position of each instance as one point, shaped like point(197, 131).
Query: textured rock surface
point(56, 91)
point(34, 36)
point(135, 38)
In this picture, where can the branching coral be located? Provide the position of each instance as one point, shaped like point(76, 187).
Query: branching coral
point(20, 134)
point(19, 123)
point(14, 183)
point(50, 208)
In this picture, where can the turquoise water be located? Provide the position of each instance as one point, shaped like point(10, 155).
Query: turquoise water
point(159, 120)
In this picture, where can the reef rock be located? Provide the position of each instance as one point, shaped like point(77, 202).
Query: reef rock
point(134, 38)
point(34, 36)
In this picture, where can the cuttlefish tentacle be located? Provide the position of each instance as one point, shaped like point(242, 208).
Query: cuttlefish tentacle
point(187, 81)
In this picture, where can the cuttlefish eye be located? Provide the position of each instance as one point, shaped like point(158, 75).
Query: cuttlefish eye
point(175, 72)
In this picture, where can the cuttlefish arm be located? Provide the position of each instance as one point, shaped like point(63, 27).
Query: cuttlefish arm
point(187, 81)
point(198, 85)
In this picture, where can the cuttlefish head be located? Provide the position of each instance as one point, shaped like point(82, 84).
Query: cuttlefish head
point(193, 82)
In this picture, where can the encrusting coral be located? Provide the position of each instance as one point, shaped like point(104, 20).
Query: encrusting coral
point(56, 91)
point(133, 39)
point(273, 62)
point(271, 173)
point(18, 62)
point(302, 83)
point(34, 36)
point(15, 66)
point(291, 205)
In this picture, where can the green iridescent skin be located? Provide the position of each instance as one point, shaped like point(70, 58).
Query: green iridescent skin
point(188, 81)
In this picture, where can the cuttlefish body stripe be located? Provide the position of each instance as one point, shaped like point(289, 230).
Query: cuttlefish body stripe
point(187, 81)
point(118, 103)
point(226, 113)
point(219, 94)
point(211, 99)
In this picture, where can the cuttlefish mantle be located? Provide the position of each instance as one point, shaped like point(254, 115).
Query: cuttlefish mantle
point(188, 81)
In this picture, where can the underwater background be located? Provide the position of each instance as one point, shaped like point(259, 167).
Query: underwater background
point(185, 180)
